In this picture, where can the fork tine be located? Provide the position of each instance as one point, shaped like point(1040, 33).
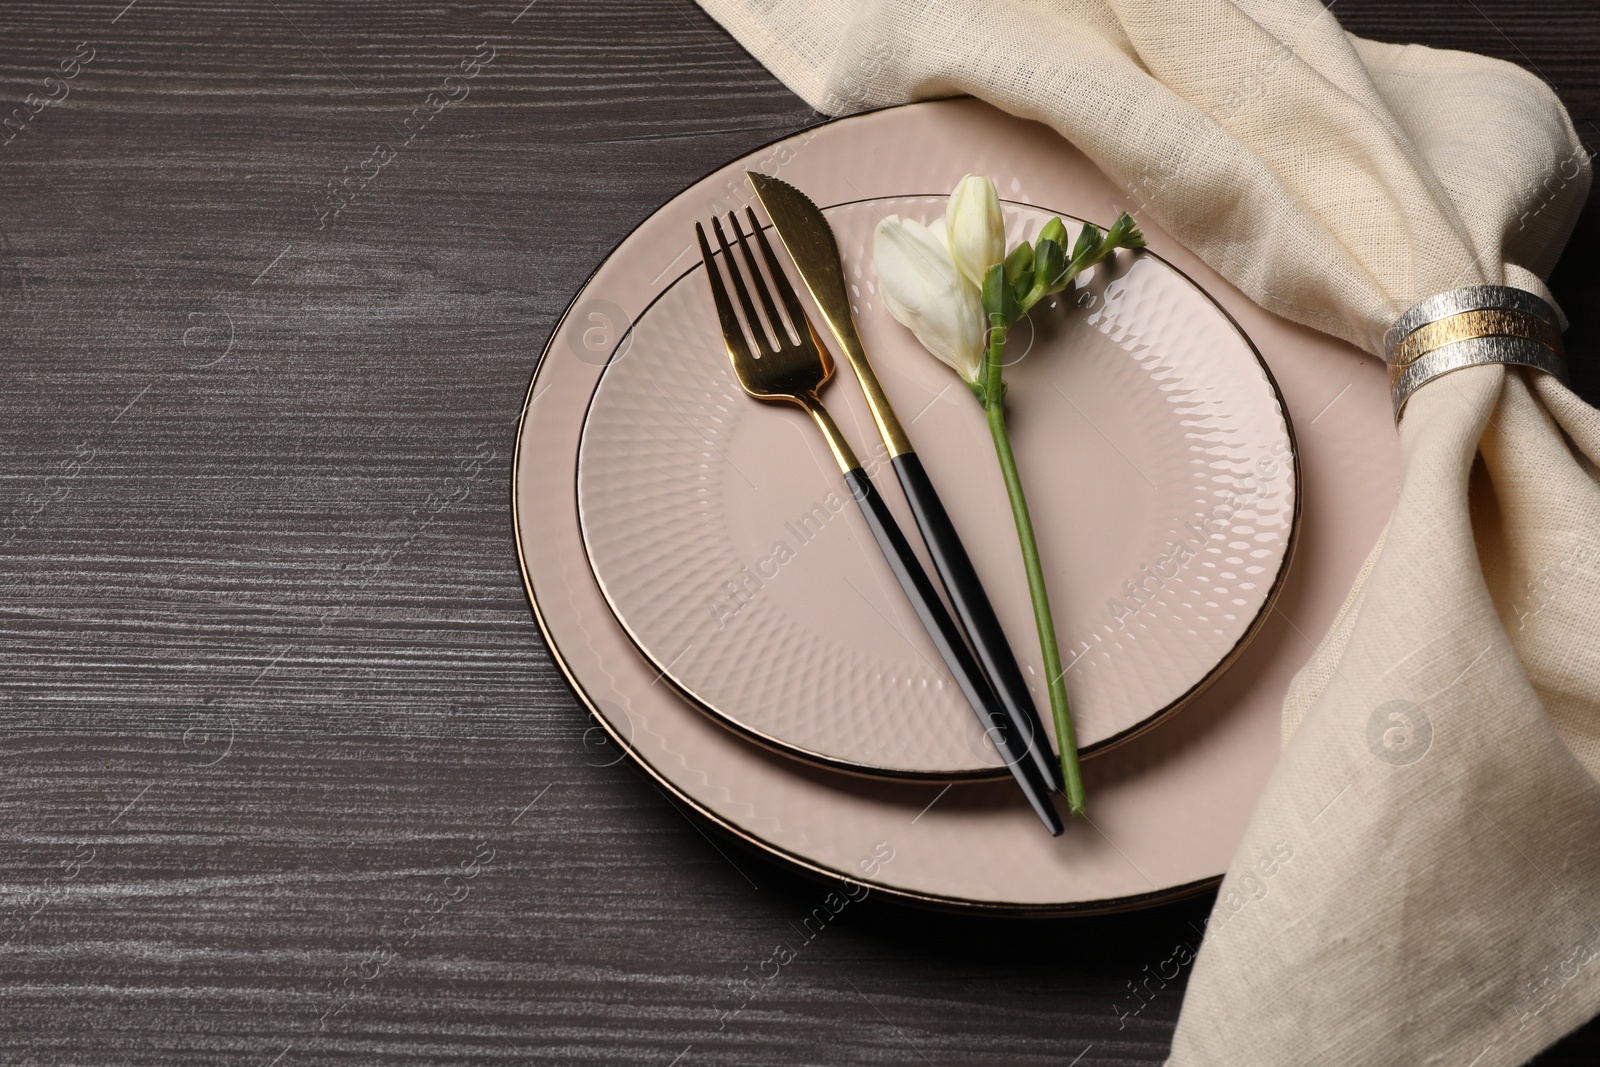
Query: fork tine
point(732, 332)
point(762, 344)
point(780, 280)
point(780, 332)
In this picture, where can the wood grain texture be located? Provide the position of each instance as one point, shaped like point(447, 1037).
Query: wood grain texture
point(289, 777)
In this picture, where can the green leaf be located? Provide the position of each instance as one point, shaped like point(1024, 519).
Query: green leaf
point(1054, 230)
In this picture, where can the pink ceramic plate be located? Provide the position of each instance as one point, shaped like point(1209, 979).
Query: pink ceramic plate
point(1168, 808)
point(1163, 494)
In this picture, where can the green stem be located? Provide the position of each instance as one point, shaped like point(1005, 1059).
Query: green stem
point(994, 408)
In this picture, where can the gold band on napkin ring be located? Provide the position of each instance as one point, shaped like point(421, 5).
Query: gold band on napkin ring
point(1490, 322)
point(1467, 328)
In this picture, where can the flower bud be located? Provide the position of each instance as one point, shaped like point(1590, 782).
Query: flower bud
point(977, 231)
point(1019, 264)
point(1054, 230)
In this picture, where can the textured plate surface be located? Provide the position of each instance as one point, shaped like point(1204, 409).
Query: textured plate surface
point(1162, 490)
point(1169, 807)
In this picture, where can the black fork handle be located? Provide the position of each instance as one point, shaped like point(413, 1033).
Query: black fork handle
point(947, 639)
point(977, 615)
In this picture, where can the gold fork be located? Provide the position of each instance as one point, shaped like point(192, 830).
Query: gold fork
point(795, 370)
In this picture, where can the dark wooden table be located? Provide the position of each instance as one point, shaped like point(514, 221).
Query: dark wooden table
point(269, 675)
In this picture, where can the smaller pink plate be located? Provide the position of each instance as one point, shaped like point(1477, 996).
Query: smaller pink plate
point(1161, 475)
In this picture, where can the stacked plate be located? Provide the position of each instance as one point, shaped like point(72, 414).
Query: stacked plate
point(711, 593)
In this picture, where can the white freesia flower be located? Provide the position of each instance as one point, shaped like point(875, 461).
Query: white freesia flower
point(977, 231)
point(931, 279)
point(925, 292)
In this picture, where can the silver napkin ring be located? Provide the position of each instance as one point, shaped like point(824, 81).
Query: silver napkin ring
point(1467, 328)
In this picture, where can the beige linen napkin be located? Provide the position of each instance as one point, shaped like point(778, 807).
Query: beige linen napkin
point(1437, 795)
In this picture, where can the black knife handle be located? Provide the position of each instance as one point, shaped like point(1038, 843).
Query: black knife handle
point(976, 614)
point(947, 639)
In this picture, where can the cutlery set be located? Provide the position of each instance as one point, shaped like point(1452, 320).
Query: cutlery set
point(778, 356)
